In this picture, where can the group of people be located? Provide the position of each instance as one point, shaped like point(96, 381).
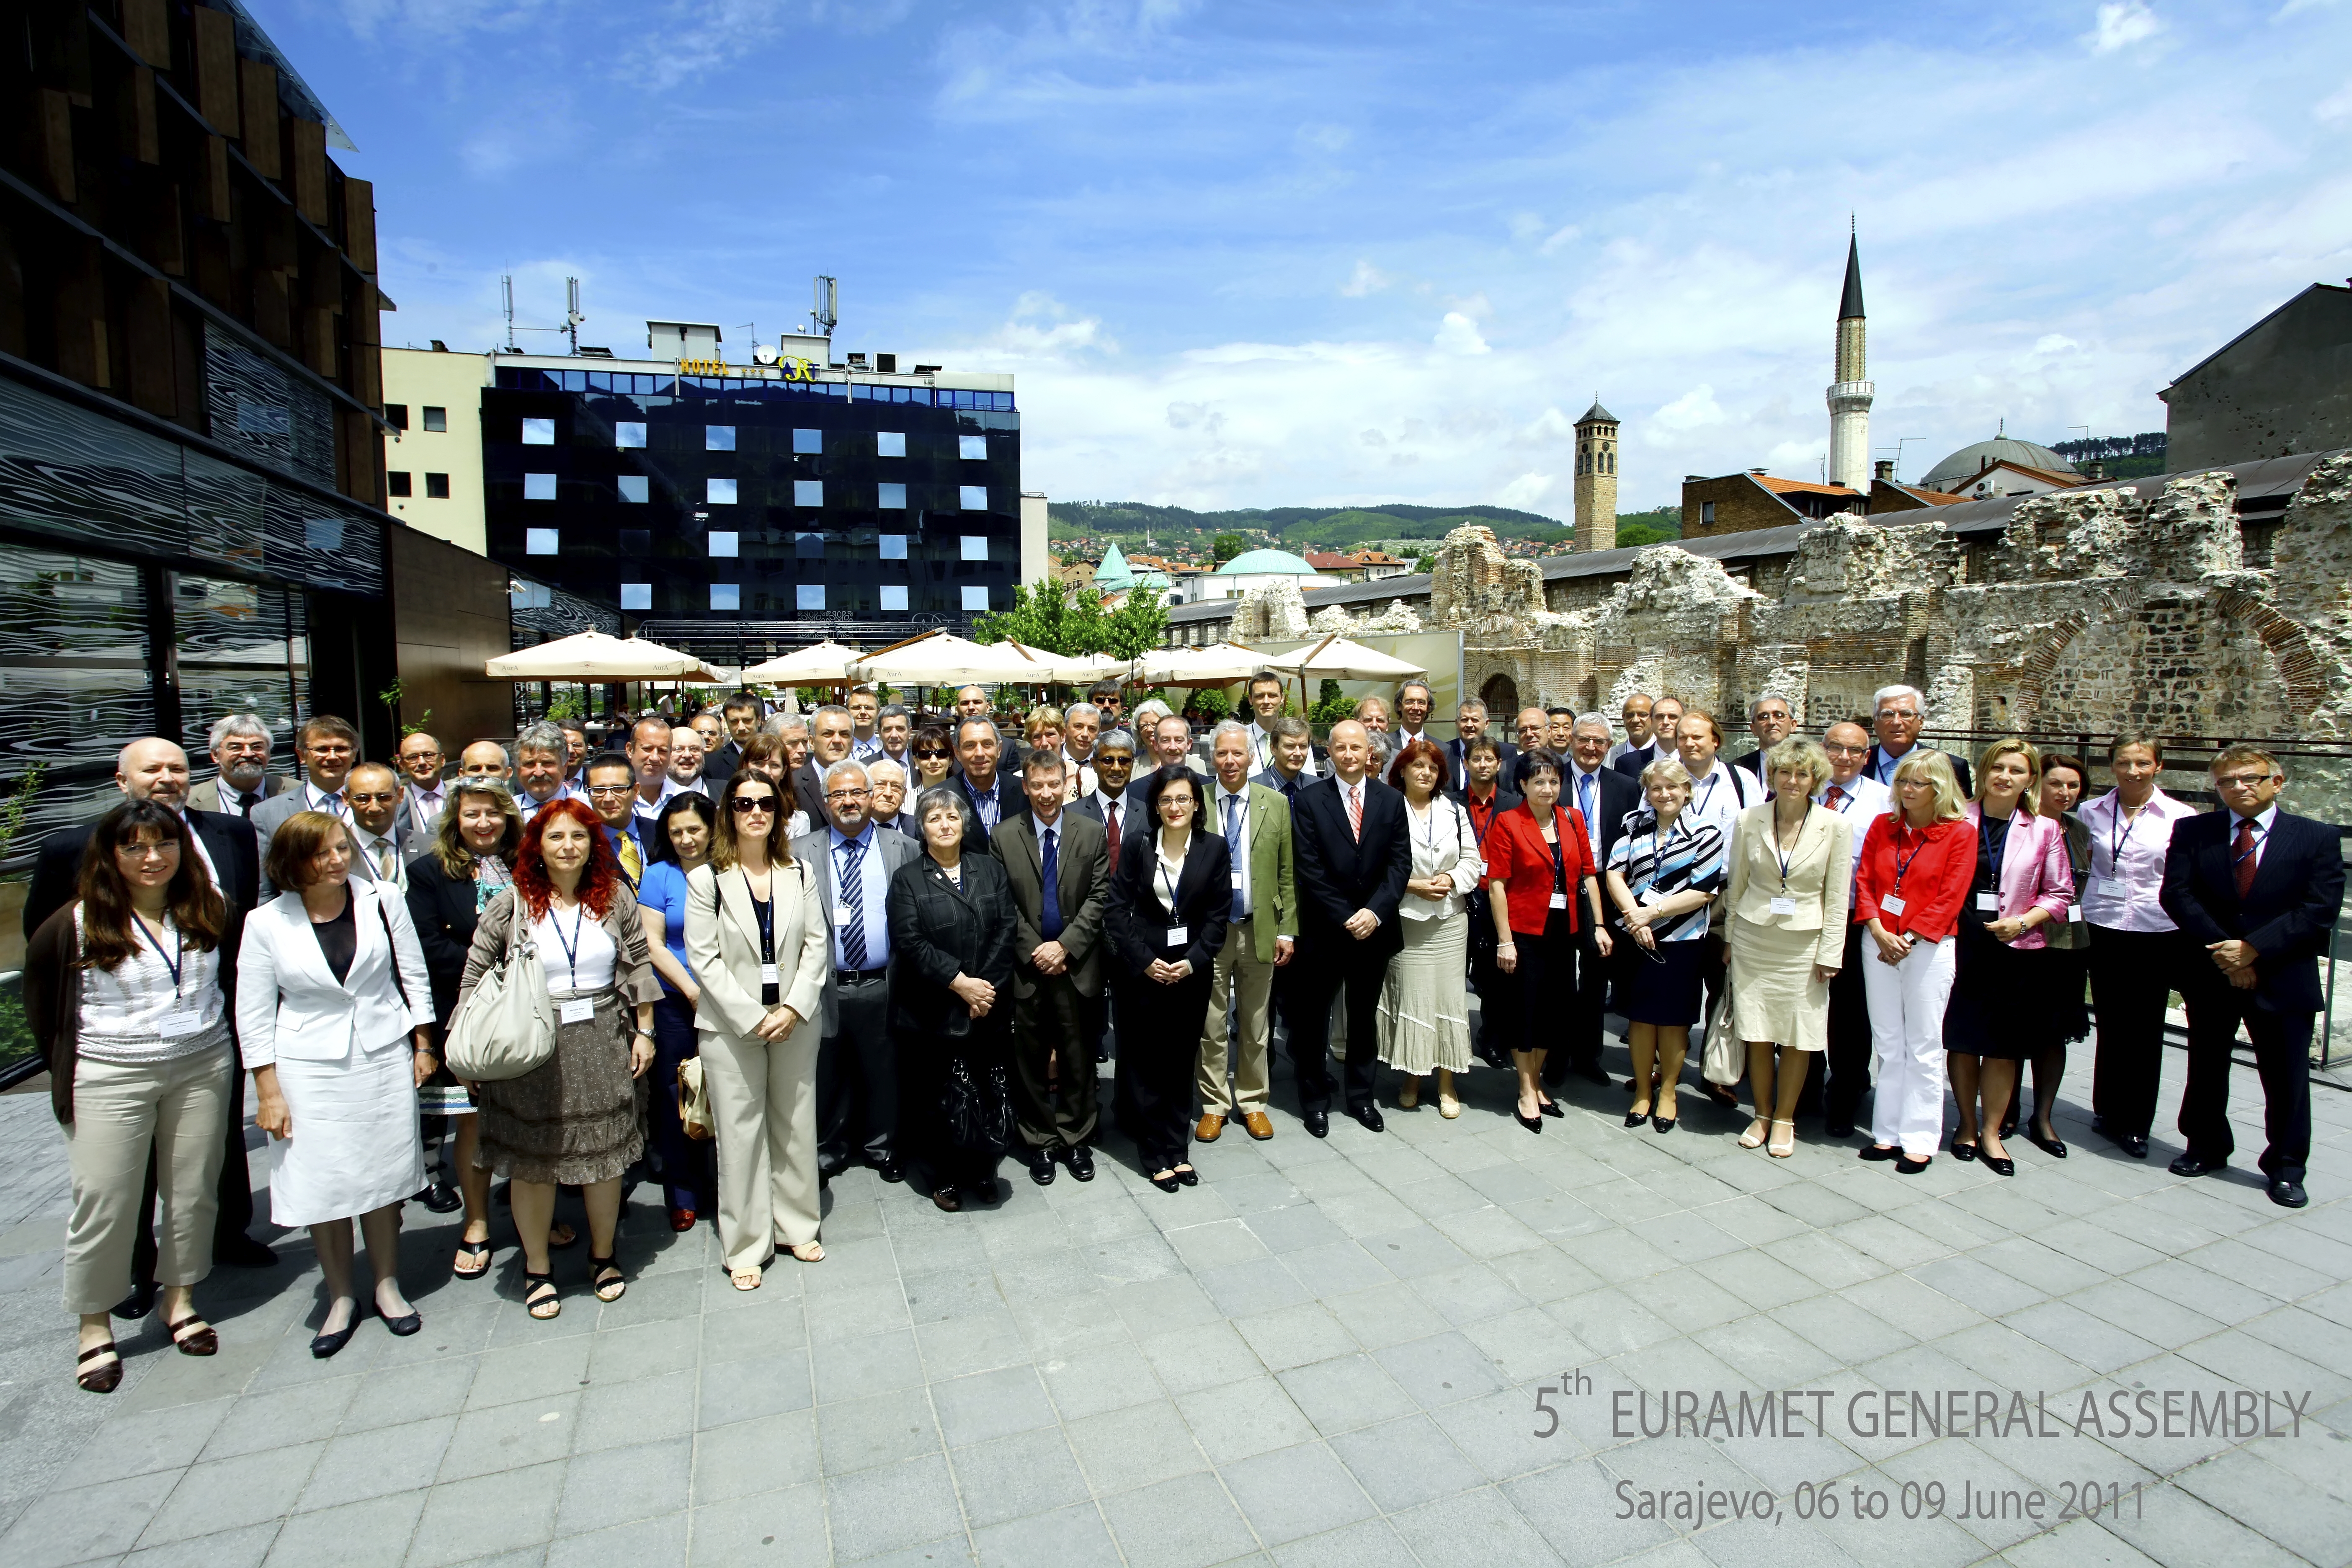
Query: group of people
point(774, 945)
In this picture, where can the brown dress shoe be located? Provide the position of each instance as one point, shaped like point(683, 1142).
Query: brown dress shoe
point(1210, 1126)
point(1260, 1125)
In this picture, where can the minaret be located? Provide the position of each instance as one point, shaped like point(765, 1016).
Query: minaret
point(1596, 478)
point(1850, 394)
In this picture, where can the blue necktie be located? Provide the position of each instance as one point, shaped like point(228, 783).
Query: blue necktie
point(1049, 921)
point(852, 892)
point(1234, 846)
point(1584, 799)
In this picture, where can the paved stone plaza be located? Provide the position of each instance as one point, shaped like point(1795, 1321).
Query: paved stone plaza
point(1328, 1353)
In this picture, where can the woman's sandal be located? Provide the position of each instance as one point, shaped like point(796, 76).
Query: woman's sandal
point(1409, 1094)
point(560, 1235)
point(807, 1251)
point(606, 1279)
point(531, 1298)
point(103, 1379)
point(745, 1279)
point(199, 1339)
point(1780, 1148)
point(1754, 1137)
point(480, 1249)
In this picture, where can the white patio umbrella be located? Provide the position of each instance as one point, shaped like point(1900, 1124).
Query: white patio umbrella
point(1073, 667)
point(1342, 658)
point(820, 664)
point(1220, 663)
point(595, 656)
point(943, 659)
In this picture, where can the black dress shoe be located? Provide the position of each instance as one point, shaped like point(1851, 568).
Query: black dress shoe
point(826, 1170)
point(1551, 1108)
point(1369, 1115)
point(1873, 1152)
point(1999, 1165)
point(891, 1170)
point(1592, 1072)
point(137, 1305)
point(2190, 1165)
point(406, 1326)
point(442, 1199)
point(238, 1250)
point(325, 1345)
point(1167, 1184)
point(1662, 1125)
point(1187, 1176)
point(1319, 1122)
point(2053, 1147)
point(1532, 1123)
point(1905, 1165)
point(2134, 1144)
point(1963, 1150)
point(1081, 1162)
point(1633, 1118)
point(1041, 1167)
point(2288, 1194)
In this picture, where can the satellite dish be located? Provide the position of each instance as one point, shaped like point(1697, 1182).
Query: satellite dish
point(764, 354)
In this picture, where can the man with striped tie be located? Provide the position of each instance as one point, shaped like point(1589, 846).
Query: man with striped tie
point(856, 1064)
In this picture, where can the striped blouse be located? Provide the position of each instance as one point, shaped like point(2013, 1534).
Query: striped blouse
point(1689, 859)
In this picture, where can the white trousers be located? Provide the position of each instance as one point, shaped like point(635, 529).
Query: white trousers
point(763, 1099)
point(1907, 1033)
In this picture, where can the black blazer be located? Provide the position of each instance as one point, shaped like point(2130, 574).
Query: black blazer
point(808, 792)
point(720, 765)
point(1632, 764)
point(1960, 767)
point(229, 840)
point(1754, 762)
point(1204, 899)
point(441, 907)
point(1619, 797)
point(2287, 916)
point(1339, 874)
point(938, 930)
point(1010, 802)
point(1456, 749)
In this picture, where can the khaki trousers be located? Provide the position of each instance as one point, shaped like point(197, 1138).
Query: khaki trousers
point(180, 1108)
point(1246, 983)
point(763, 1099)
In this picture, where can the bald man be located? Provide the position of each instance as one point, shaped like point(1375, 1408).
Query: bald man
point(484, 761)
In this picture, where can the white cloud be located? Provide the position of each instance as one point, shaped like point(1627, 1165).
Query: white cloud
point(1366, 279)
point(1526, 493)
point(2121, 23)
point(2053, 343)
point(2336, 106)
point(1691, 410)
point(1458, 334)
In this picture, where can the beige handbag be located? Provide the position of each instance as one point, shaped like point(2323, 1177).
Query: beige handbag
point(507, 1026)
point(693, 1101)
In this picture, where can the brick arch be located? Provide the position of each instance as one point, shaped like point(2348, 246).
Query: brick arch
point(2041, 661)
point(1501, 695)
point(2299, 666)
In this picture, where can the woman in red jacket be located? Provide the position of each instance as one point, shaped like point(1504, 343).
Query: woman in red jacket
point(1911, 880)
point(1538, 864)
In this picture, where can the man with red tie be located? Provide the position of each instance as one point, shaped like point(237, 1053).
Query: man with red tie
point(2259, 890)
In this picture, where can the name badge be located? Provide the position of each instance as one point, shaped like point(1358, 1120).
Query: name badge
point(179, 1022)
point(1891, 904)
point(1645, 897)
point(2104, 886)
point(2074, 914)
point(842, 914)
point(1179, 935)
point(1784, 906)
point(1560, 900)
point(771, 976)
point(577, 1010)
point(1237, 879)
point(1989, 903)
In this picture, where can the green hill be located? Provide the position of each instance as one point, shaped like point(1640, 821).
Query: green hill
point(1294, 528)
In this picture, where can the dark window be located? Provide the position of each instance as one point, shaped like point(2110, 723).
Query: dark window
point(396, 416)
point(437, 487)
point(636, 541)
point(1706, 511)
point(435, 418)
point(397, 484)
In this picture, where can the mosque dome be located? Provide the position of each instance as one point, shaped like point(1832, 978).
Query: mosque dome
point(1971, 460)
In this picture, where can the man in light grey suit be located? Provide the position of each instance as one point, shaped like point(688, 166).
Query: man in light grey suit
point(382, 836)
point(326, 747)
point(240, 749)
point(857, 1063)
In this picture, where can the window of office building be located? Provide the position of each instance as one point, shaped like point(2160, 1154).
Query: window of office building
point(635, 541)
point(437, 487)
point(720, 493)
point(809, 596)
point(539, 487)
point(397, 483)
point(718, 437)
point(808, 546)
point(723, 542)
point(894, 547)
point(636, 488)
point(972, 448)
point(976, 547)
point(890, 444)
point(636, 595)
point(892, 497)
point(894, 595)
point(396, 416)
point(808, 442)
point(971, 498)
point(726, 595)
point(975, 598)
point(539, 432)
point(629, 433)
point(808, 492)
point(435, 418)
point(538, 541)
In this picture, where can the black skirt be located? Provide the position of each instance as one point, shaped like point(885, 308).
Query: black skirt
point(2000, 995)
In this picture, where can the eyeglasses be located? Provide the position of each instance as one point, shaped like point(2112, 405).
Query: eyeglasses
point(1835, 750)
point(847, 793)
point(2240, 780)
point(603, 790)
point(363, 798)
point(744, 803)
point(1898, 714)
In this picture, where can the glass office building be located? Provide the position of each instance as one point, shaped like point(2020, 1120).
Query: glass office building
point(745, 503)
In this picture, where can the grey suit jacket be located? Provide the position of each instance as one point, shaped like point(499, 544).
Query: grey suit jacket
point(815, 848)
point(1081, 876)
point(205, 796)
point(271, 813)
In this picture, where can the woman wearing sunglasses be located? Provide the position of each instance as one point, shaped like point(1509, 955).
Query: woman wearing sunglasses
point(933, 756)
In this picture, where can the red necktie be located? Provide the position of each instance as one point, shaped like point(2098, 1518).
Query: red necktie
point(1110, 811)
point(1356, 813)
point(2245, 851)
point(1835, 795)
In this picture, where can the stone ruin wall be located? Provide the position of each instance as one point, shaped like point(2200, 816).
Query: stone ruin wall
point(2100, 612)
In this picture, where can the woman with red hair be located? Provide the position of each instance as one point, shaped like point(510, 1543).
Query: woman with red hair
point(578, 1117)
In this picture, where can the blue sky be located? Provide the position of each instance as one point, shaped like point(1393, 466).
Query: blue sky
point(1284, 253)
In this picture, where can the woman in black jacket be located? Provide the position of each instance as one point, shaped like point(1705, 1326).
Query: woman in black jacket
point(951, 924)
point(1167, 921)
point(471, 862)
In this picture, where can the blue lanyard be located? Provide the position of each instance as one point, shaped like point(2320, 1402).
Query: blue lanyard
point(170, 962)
point(1902, 864)
point(571, 945)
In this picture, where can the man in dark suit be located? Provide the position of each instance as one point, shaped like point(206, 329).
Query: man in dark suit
point(994, 795)
point(1348, 834)
point(1469, 723)
point(740, 714)
point(1897, 714)
point(1665, 716)
point(1604, 798)
point(1769, 721)
point(1114, 764)
point(156, 769)
point(1059, 864)
point(857, 1063)
point(2260, 889)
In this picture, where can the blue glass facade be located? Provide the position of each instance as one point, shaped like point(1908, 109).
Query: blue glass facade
point(719, 499)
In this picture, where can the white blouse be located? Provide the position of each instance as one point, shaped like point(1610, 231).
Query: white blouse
point(575, 949)
point(1443, 841)
point(124, 1009)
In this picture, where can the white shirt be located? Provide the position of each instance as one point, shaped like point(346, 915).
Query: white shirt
point(575, 949)
point(1262, 744)
point(530, 808)
point(694, 785)
point(1108, 805)
point(229, 806)
point(1861, 801)
point(380, 847)
point(123, 1008)
point(1721, 796)
point(1443, 839)
point(1240, 824)
point(652, 813)
point(204, 854)
point(1571, 795)
point(2263, 821)
point(317, 799)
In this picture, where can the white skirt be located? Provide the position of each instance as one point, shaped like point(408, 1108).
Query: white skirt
point(354, 1147)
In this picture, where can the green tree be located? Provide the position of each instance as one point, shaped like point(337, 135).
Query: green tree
point(1629, 535)
point(1331, 704)
point(1046, 616)
point(1136, 627)
point(1225, 546)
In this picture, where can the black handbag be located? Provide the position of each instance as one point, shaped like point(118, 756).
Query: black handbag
point(978, 1105)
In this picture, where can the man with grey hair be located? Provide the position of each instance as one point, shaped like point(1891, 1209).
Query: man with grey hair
point(1261, 932)
point(895, 726)
point(240, 743)
point(1081, 725)
point(889, 811)
point(687, 759)
point(1469, 723)
point(1603, 798)
point(993, 793)
point(1770, 720)
point(540, 759)
point(421, 762)
point(1896, 715)
point(808, 788)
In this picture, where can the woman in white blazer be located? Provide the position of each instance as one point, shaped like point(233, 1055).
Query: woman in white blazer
point(756, 938)
point(1792, 877)
point(1425, 1013)
point(334, 1011)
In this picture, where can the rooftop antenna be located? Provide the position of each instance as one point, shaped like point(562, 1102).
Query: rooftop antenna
point(828, 312)
point(505, 285)
point(571, 316)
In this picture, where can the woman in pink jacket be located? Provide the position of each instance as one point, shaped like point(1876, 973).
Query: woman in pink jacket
point(1998, 1013)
